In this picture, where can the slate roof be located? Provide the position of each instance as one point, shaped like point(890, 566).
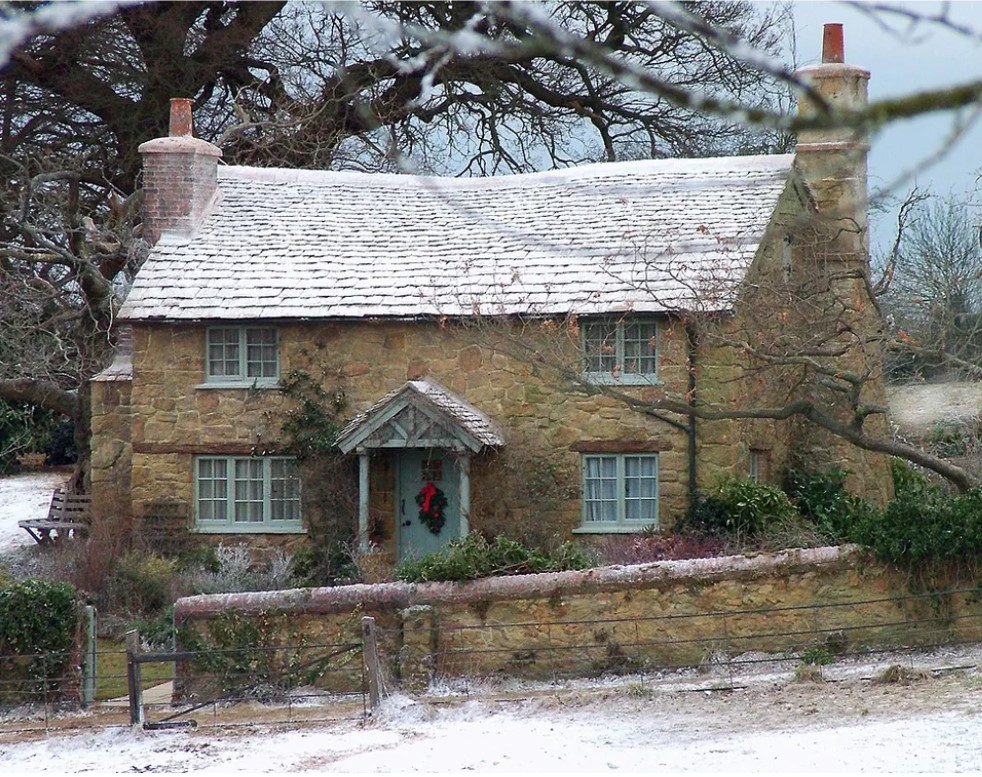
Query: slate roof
point(650, 235)
point(430, 395)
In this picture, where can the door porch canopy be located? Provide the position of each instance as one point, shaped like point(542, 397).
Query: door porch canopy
point(419, 414)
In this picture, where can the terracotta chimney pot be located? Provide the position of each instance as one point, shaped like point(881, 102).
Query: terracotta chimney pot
point(180, 118)
point(833, 44)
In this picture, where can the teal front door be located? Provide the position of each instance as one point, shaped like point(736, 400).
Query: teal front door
point(434, 473)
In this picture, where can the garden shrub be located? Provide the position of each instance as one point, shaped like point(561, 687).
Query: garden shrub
point(473, 557)
point(142, 584)
point(38, 626)
point(231, 569)
point(821, 497)
point(924, 526)
point(647, 547)
point(323, 564)
point(739, 508)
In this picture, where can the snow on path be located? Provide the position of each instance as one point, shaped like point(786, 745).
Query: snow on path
point(474, 737)
point(25, 496)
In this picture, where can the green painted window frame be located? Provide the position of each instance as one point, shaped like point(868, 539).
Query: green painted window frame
point(244, 353)
point(608, 346)
point(622, 490)
point(223, 507)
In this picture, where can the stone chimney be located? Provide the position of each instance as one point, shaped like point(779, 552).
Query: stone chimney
point(833, 159)
point(179, 177)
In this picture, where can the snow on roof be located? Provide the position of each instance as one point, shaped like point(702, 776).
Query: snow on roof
point(475, 425)
point(650, 235)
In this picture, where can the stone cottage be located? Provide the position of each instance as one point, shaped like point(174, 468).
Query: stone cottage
point(518, 354)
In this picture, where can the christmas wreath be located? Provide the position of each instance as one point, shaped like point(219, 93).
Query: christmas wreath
point(432, 502)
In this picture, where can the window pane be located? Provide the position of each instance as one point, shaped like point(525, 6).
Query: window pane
point(600, 488)
point(641, 488)
point(599, 346)
point(261, 353)
point(284, 490)
point(223, 352)
point(212, 490)
point(641, 348)
point(248, 493)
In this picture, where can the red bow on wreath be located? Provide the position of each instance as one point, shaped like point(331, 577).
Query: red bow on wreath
point(427, 493)
point(432, 502)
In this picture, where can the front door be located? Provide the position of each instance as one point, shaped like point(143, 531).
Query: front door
point(432, 475)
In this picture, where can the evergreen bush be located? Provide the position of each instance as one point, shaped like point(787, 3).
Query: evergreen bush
point(38, 627)
point(473, 557)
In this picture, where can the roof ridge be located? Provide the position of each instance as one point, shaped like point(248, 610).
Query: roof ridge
point(596, 170)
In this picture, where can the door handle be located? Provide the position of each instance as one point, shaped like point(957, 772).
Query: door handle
point(402, 507)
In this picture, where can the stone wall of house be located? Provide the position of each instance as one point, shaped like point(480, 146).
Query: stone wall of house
point(614, 618)
point(176, 418)
point(513, 373)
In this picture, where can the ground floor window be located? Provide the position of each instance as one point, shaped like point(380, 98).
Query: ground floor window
point(247, 493)
point(620, 491)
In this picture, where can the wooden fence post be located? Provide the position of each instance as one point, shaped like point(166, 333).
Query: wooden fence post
point(89, 656)
point(373, 667)
point(134, 677)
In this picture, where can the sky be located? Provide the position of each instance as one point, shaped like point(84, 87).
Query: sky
point(903, 59)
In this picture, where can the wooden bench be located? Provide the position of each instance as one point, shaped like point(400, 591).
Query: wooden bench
point(68, 516)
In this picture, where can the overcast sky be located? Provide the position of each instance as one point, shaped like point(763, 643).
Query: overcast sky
point(904, 59)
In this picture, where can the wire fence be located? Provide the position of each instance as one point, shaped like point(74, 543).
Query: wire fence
point(285, 684)
point(331, 681)
point(729, 641)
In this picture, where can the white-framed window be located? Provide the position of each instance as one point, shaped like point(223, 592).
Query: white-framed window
point(242, 355)
point(620, 350)
point(620, 491)
point(247, 494)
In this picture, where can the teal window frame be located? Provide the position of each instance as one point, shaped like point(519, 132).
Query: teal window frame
point(612, 484)
point(245, 355)
point(247, 494)
point(612, 350)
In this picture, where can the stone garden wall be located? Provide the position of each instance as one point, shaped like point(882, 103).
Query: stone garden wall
point(614, 618)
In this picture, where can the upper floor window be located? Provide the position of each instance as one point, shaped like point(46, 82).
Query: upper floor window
point(620, 492)
point(620, 350)
point(242, 354)
point(247, 493)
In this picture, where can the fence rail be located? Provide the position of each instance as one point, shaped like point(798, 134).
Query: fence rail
point(310, 682)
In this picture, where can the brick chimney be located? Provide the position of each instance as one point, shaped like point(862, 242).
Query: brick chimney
point(179, 177)
point(833, 159)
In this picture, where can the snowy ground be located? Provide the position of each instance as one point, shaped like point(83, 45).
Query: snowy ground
point(759, 717)
point(25, 496)
point(764, 721)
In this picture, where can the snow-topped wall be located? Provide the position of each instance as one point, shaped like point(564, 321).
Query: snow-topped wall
point(666, 614)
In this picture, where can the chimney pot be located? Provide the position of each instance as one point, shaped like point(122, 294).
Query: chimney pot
point(833, 45)
point(180, 117)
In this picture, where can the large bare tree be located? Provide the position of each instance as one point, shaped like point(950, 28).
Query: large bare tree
point(461, 88)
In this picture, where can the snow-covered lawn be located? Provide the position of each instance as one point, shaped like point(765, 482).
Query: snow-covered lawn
point(771, 726)
point(25, 496)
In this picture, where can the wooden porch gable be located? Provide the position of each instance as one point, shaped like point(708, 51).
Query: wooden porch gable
point(421, 414)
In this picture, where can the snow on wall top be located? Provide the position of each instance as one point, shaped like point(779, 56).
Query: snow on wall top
point(649, 236)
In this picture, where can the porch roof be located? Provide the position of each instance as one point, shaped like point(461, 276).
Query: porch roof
point(420, 414)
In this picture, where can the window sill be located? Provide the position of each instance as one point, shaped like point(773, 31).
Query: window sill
point(607, 379)
point(240, 384)
point(262, 528)
point(615, 528)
